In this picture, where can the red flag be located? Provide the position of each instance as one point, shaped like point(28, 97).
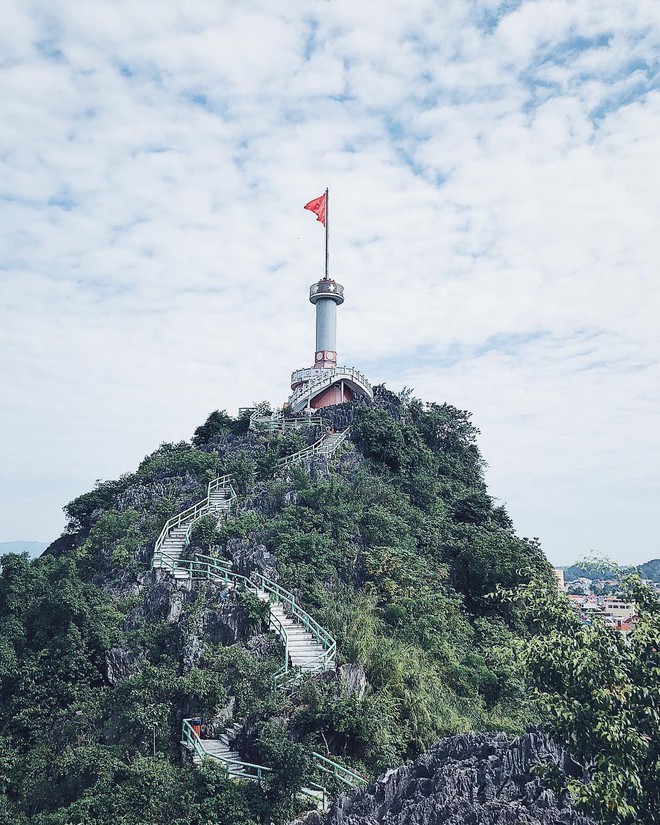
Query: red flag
point(317, 206)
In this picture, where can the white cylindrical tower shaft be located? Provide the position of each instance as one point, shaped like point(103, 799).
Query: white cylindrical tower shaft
point(326, 295)
point(326, 325)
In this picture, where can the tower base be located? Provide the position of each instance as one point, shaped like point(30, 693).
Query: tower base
point(335, 394)
point(318, 388)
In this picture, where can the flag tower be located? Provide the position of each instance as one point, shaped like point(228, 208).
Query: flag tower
point(325, 383)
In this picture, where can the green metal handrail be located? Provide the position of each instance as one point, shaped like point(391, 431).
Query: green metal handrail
point(205, 567)
point(187, 518)
point(301, 454)
point(345, 775)
point(317, 448)
point(288, 600)
point(233, 768)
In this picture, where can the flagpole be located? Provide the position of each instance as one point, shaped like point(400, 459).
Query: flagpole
point(327, 229)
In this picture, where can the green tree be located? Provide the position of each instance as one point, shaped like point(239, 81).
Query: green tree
point(219, 425)
point(204, 532)
point(292, 763)
point(599, 694)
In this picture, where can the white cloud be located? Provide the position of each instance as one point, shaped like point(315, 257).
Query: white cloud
point(494, 188)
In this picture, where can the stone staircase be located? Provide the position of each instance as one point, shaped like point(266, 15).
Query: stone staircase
point(221, 748)
point(173, 546)
point(332, 441)
point(308, 648)
point(174, 536)
point(304, 651)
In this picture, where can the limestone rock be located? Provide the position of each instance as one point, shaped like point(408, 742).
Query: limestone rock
point(225, 624)
point(191, 644)
point(262, 646)
point(120, 664)
point(471, 779)
point(352, 681)
point(248, 556)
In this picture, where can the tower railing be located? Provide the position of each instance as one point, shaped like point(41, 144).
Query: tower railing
point(329, 376)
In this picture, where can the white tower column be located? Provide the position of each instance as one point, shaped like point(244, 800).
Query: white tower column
point(326, 295)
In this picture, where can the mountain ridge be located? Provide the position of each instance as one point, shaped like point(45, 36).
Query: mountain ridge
point(32, 548)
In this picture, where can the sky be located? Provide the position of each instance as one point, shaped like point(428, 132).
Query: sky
point(494, 175)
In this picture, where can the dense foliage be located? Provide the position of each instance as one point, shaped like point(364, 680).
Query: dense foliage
point(394, 548)
point(599, 694)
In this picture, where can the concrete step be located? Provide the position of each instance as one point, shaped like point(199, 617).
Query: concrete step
point(306, 655)
point(300, 647)
point(306, 658)
point(305, 648)
point(217, 746)
point(311, 663)
point(296, 629)
point(221, 751)
point(225, 740)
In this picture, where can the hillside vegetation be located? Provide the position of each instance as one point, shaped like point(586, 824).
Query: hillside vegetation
point(393, 546)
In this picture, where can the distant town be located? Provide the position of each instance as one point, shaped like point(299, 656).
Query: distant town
point(595, 590)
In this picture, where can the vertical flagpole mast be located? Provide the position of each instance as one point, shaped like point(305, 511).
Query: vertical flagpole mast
point(327, 227)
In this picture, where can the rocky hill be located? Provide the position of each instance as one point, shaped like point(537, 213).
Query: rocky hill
point(391, 545)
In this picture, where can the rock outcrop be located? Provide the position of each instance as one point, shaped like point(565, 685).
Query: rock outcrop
point(121, 663)
point(473, 779)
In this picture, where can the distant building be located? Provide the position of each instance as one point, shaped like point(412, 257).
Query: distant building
point(619, 609)
point(625, 627)
point(559, 573)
